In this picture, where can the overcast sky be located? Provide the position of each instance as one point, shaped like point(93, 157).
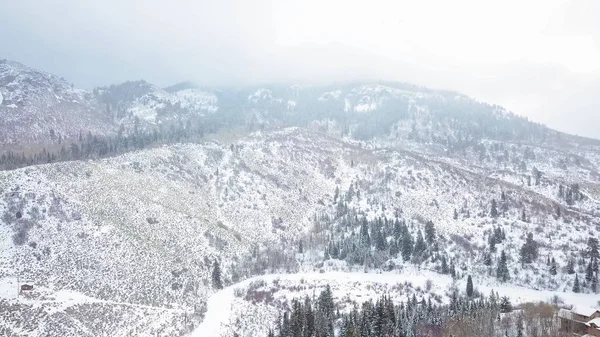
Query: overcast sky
point(540, 58)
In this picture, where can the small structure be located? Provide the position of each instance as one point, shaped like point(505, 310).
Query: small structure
point(26, 287)
point(580, 321)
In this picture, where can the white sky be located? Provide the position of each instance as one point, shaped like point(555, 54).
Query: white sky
point(540, 58)
point(445, 32)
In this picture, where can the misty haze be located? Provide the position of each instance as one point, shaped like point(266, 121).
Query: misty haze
point(300, 168)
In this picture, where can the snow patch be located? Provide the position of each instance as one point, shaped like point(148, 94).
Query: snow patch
point(335, 94)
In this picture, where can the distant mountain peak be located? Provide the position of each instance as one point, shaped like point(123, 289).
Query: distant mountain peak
point(181, 86)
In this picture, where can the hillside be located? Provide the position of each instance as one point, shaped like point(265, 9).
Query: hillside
point(41, 107)
point(144, 229)
point(367, 178)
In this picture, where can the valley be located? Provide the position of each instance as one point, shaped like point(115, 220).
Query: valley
point(372, 188)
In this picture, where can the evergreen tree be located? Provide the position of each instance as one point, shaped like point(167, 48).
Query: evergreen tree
point(469, 287)
point(216, 276)
point(505, 305)
point(487, 259)
point(407, 246)
point(445, 269)
point(571, 266)
point(569, 197)
point(529, 250)
point(365, 238)
point(455, 214)
point(589, 272)
point(430, 233)
point(492, 241)
point(380, 241)
point(576, 286)
point(394, 249)
point(398, 229)
point(593, 248)
point(553, 267)
point(494, 211)
point(420, 245)
point(502, 272)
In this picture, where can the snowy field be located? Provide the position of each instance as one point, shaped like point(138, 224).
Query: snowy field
point(227, 312)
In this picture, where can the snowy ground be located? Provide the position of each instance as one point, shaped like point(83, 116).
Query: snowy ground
point(145, 228)
point(224, 306)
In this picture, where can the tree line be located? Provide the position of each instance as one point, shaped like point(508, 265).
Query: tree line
point(464, 316)
point(90, 146)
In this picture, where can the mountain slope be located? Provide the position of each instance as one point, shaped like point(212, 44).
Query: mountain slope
point(37, 106)
point(143, 101)
point(291, 180)
point(145, 228)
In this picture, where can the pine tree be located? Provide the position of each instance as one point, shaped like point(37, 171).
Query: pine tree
point(505, 305)
point(589, 272)
point(571, 267)
point(455, 214)
point(493, 304)
point(398, 229)
point(502, 272)
point(365, 238)
point(380, 241)
point(430, 233)
point(593, 248)
point(494, 211)
point(420, 245)
point(445, 269)
point(529, 250)
point(487, 259)
point(492, 242)
point(553, 267)
point(216, 276)
point(469, 287)
point(523, 216)
point(394, 250)
point(569, 197)
point(576, 286)
point(407, 246)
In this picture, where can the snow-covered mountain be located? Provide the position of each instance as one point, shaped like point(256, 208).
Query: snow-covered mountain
point(36, 107)
point(127, 245)
point(154, 105)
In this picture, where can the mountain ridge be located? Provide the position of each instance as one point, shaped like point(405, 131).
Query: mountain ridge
point(126, 237)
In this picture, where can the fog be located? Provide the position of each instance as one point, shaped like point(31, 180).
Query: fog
point(539, 58)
